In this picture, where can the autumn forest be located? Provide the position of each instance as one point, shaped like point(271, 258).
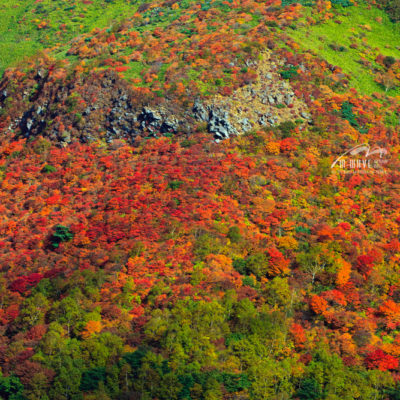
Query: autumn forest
point(200, 200)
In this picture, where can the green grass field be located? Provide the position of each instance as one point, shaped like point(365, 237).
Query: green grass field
point(370, 29)
point(22, 35)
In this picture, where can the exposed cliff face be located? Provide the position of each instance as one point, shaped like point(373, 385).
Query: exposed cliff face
point(67, 107)
point(81, 108)
point(268, 101)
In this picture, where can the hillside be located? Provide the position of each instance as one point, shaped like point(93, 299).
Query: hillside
point(199, 201)
point(27, 27)
point(364, 34)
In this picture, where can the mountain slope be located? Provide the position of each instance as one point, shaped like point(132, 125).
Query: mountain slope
point(26, 26)
point(143, 259)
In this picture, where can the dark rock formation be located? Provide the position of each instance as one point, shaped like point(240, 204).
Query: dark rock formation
point(102, 105)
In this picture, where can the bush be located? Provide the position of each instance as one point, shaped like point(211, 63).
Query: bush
point(302, 2)
point(392, 7)
point(47, 169)
point(240, 265)
point(342, 3)
point(289, 73)
point(256, 264)
point(286, 128)
point(338, 47)
point(388, 61)
point(62, 234)
point(175, 185)
point(347, 113)
point(187, 143)
point(234, 234)
point(11, 388)
point(206, 244)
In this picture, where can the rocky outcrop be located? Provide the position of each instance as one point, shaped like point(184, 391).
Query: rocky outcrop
point(268, 101)
point(104, 106)
point(158, 121)
point(97, 107)
point(217, 119)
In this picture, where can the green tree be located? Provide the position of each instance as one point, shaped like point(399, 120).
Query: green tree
point(38, 387)
point(313, 262)
point(61, 234)
point(309, 389)
point(206, 244)
point(234, 234)
point(155, 379)
point(53, 340)
point(91, 378)
point(257, 264)
point(66, 385)
point(98, 350)
point(69, 313)
point(11, 388)
point(279, 293)
point(33, 310)
point(188, 331)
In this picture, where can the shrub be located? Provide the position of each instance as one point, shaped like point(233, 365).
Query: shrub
point(302, 2)
point(347, 113)
point(338, 47)
point(248, 281)
point(342, 3)
point(234, 234)
point(62, 234)
point(388, 61)
point(392, 7)
point(187, 143)
point(289, 73)
point(175, 185)
point(286, 128)
point(47, 169)
point(240, 265)
point(256, 264)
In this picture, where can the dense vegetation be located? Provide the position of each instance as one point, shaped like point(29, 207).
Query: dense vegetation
point(172, 267)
